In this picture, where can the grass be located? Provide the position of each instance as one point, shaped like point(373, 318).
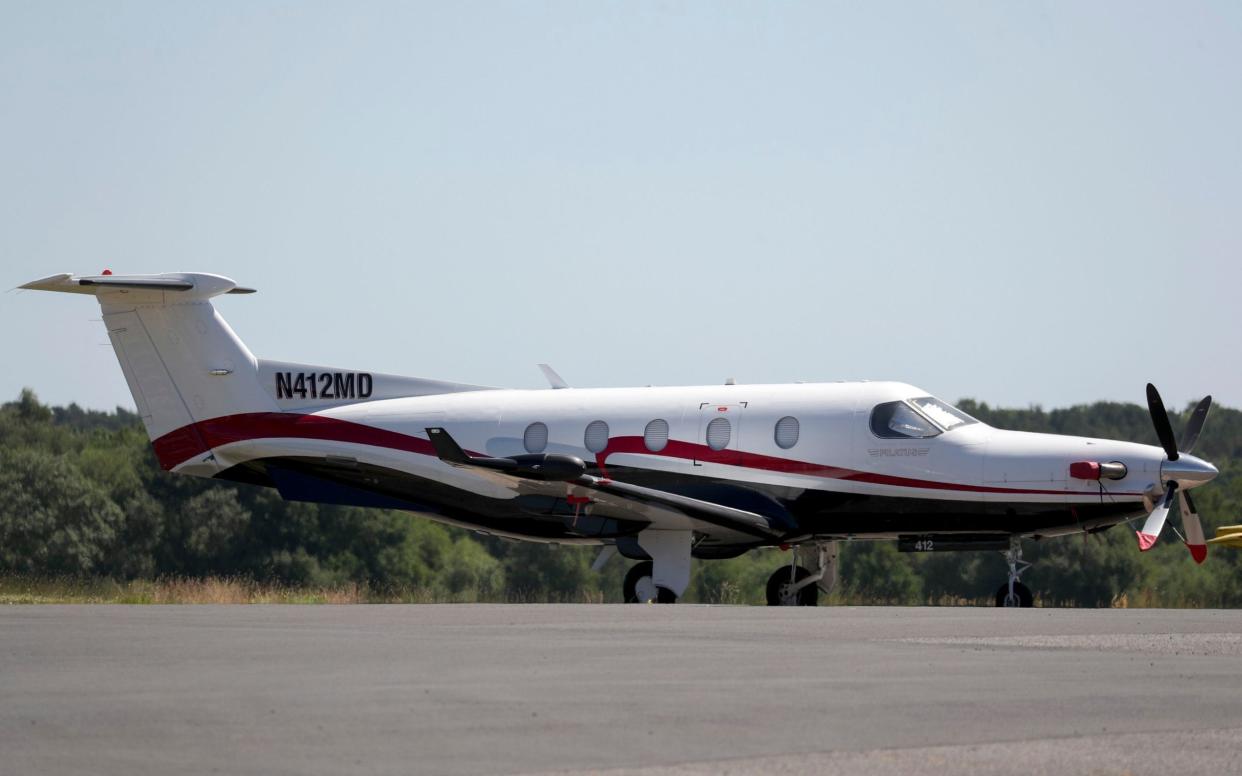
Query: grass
point(210, 590)
point(237, 590)
point(233, 590)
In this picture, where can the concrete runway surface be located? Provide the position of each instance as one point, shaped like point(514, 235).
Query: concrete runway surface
point(619, 689)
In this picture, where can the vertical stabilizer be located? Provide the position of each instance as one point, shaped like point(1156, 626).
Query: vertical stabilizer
point(182, 362)
point(185, 367)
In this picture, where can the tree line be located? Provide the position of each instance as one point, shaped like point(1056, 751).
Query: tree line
point(82, 495)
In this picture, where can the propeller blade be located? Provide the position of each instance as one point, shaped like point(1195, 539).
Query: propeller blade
point(1191, 435)
point(1192, 528)
point(1155, 521)
point(1160, 419)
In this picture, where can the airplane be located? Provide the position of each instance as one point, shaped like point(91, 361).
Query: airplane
point(660, 475)
point(1228, 536)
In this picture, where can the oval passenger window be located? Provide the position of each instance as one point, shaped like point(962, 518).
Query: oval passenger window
point(596, 436)
point(535, 439)
point(655, 435)
point(718, 432)
point(787, 432)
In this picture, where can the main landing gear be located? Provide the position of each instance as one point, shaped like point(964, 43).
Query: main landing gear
point(665, 577)
point(640, 587)
point(1013, 592)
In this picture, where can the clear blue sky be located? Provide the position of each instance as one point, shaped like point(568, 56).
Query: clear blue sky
point(1019, 202)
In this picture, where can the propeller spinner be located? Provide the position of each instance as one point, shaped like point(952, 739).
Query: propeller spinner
point(1178, 469)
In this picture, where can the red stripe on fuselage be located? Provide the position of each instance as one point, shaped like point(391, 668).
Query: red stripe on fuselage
point(178, 446)
point(171, 449)
point(695, 452)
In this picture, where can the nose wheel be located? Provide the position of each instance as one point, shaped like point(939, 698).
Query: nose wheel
point(1014, 593)
point(794, 585)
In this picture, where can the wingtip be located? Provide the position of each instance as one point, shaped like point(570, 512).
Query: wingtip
point(1145, 541)
point(1198, 552)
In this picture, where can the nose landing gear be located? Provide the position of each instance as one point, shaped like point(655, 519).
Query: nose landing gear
point(1013, 592)
point(793, 585)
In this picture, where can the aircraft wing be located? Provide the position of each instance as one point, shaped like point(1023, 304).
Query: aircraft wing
point(736, 520)
point(656, 506)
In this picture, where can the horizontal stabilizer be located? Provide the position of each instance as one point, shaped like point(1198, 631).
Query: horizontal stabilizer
point(194, 285)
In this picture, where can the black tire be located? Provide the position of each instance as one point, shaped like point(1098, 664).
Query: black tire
point(807, 596)
point(1023, 593)
point(665, 596)
point(636, 572)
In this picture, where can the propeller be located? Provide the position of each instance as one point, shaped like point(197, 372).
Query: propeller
point(1195, 542)
point(1190, 437)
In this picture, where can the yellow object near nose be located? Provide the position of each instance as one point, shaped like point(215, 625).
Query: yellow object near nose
point(1228, 536)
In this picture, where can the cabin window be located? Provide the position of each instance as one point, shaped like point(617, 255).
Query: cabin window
point(535, 439)
point(786, 432)
point(718, 433)
point(655, 435)
point(596, 436)
point(898, 420)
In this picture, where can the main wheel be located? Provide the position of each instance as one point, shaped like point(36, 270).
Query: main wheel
point(781, 592)
point(639, 586)
point(1021, 596)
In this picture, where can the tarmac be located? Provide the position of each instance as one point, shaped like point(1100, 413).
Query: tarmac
point(617, 689)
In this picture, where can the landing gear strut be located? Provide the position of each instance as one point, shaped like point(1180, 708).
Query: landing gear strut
point(1013, 592)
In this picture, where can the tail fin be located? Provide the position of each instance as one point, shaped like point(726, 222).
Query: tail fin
point(181, 360)
point(184, 365)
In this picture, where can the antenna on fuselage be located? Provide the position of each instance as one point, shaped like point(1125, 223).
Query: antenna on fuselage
point(556, 381)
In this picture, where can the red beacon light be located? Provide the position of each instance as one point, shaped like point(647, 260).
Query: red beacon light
point(1094, 470)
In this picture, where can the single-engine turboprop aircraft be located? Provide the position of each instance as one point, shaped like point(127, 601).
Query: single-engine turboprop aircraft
point(660, 475)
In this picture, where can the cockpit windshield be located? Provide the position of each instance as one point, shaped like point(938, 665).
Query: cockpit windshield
point(918, 418)
point(944, 415)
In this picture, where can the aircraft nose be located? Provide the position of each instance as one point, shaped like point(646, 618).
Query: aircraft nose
point(1188, 471)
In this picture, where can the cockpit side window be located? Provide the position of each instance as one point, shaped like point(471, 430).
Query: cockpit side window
point(898, 420)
